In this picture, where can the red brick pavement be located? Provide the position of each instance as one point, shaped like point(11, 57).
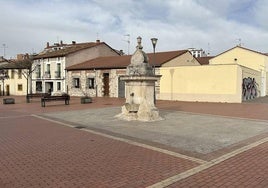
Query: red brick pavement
point(21, 107)
point(257, 111)
point(248, 169)
point(242, 110)
point(38, 153)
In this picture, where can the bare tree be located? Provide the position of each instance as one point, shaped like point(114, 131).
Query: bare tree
point(3, 77)
point(27, 67)
point(23, 66)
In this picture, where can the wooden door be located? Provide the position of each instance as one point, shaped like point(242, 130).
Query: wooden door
point(106, 87)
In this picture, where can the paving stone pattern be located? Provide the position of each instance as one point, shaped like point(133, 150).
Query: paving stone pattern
point(248, 169)
point(42, 153)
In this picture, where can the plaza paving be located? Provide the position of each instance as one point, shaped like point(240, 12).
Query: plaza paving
point(85, 145)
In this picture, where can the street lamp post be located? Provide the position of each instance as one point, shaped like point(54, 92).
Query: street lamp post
point(154, 41)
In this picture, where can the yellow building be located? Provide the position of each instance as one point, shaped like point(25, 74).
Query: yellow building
point(233, 76)
point(14, 80)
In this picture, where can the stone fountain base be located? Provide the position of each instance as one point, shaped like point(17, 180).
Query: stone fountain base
point(140, 99)
point(143, 113)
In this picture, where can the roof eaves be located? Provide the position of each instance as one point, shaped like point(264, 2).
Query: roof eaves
point(175, 56)
point(62, 53)
point(241, 48)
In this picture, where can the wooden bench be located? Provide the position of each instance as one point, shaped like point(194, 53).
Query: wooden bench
point(35, 95)
point(8, 101)
point(45, 99)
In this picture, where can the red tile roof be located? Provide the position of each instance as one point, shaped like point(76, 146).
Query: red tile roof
point(123, 61)
point(23, 64)
point(66, 49)
point(204, 60)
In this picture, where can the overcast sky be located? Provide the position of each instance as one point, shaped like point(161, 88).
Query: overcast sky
point(213, 25)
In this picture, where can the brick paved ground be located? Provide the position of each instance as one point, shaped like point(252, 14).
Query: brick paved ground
point(248, 169)
point(244, 110)
point(39, 153)
point(49, 155)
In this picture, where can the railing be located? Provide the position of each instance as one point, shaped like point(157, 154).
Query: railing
point(47, 75)
point(38, 75)
point(57, 74)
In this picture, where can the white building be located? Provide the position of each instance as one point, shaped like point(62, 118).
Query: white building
point(197, 52)
point(50, 74)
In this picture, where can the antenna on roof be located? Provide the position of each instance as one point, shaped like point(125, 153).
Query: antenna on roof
point(208, 49)
point(4, 47)
point(128, 41)
point(239, 42)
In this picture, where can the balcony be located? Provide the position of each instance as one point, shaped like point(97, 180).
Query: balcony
point(57, 74)
point(38, 75)
point(47, 74)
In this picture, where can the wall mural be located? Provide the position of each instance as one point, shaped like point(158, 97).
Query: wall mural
point(249, 88)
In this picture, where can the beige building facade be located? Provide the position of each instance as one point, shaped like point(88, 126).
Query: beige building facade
point(255, 62)
point(202, 83)
point(234, 76)
point(16, 84)
point(14, 76)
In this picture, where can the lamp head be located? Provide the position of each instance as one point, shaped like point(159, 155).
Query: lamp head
point(154, 41)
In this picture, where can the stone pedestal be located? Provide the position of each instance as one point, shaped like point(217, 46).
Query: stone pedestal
point(140, 97)
point(140, 89)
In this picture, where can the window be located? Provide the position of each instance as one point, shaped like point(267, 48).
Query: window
point(19, 73)
point(58, 86)
point(12, 74)
point(48, 69)
point(39, 86)
point(91, 83)
point(38, 71)
point(58, 72)
point(58, 67)
point(76, 82)
point(19, 87)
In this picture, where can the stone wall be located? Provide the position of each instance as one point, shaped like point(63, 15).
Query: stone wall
point(113, 83)
point(98, 76)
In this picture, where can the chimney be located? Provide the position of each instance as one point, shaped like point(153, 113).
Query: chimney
point(20, 57)
point(61, 43)
point(73, 42)
point(26, 56)
point(98, 41)
point(47, 44)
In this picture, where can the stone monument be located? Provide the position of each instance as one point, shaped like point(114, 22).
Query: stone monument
point(140, 89)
